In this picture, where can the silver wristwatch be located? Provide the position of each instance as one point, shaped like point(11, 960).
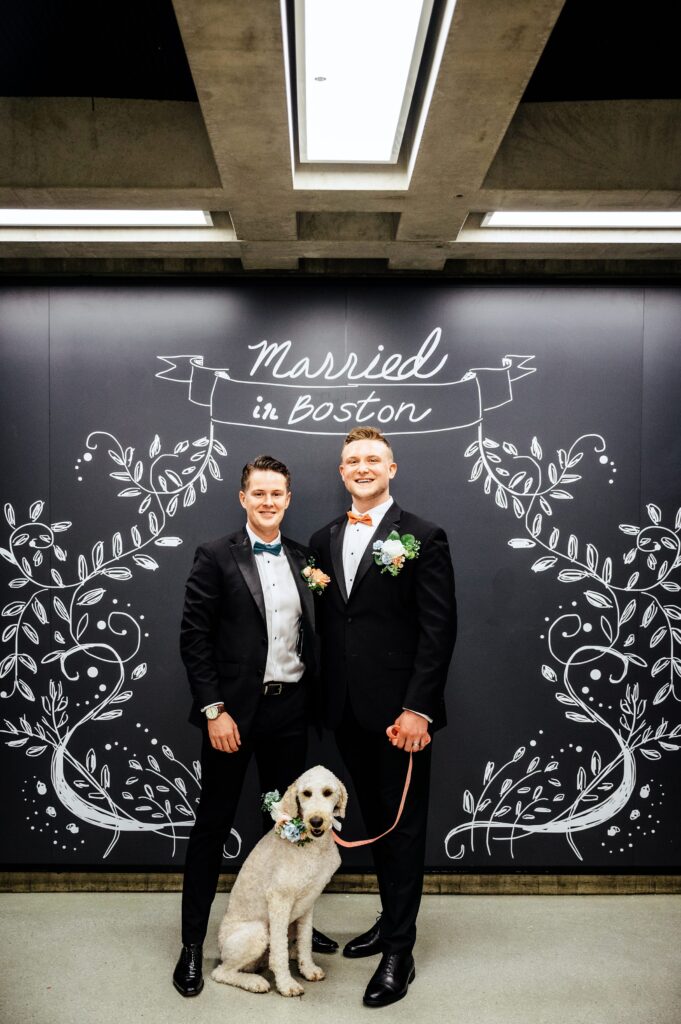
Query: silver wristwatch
point(213, 711)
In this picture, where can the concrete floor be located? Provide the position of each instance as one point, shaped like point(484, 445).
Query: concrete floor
point(100, 958)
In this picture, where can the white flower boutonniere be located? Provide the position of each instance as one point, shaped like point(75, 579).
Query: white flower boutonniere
point(317, 581)
point(391, 554)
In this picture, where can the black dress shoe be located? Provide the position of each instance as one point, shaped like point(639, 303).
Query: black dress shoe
point(322, 943)
point(367, 944)
point(391, 980)
point(187, 976)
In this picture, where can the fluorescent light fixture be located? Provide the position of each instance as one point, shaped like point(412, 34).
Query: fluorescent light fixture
point(357, 63)
point(105, 218)
point(582, 219)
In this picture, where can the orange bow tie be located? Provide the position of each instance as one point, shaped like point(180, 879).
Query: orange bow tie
point(354, 518)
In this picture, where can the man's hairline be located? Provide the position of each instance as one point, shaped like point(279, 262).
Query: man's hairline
point(287, 487)
point(385, 443)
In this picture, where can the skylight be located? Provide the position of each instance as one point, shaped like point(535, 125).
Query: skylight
point(582, 219)
point(105, 218)
point(357, 63)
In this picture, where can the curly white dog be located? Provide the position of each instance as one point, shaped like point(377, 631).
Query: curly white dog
point(278, 885)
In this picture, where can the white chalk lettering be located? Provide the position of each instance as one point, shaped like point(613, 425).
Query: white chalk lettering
point(361, 411)
point(273, 356)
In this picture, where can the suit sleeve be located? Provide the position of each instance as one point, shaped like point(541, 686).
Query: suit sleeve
point(199, 626)
point(436, 621)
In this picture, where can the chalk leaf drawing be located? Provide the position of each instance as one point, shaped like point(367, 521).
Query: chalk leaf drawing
point(155, 796)
point(526, 796)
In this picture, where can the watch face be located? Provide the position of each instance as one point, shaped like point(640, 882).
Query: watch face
point(212, 712)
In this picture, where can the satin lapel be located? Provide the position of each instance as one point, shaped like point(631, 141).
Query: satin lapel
point(389, 523)
point(245, 559)
point(297, 563)
point(337, 531)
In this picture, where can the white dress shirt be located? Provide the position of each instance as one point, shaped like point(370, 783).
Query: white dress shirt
point(282, 612)
point(355, 540)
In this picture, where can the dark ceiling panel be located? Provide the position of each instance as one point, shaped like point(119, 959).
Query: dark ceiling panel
point(128, 49)
point(607, 50)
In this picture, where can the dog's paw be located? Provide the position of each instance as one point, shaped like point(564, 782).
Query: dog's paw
point(311, 972)
point(290, 988)
point(240, 979)
point(256, 983)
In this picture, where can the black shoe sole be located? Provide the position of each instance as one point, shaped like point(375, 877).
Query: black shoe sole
point(396, 999)
point(188, 995)
point(327, 951)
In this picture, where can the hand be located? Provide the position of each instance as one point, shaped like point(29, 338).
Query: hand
point(223, 733)
point(409, 732)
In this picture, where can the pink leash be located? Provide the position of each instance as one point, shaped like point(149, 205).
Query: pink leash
point(366, 842)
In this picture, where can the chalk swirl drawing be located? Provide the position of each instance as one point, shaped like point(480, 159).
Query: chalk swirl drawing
point(156, 798)
point(525, 797)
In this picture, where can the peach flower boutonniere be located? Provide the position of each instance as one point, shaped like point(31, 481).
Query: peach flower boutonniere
point(317, 581)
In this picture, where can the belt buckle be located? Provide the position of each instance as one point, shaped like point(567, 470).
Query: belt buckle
point(273, 689)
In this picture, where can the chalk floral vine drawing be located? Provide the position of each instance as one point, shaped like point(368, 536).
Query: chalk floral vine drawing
point(157, 797)
point(524, 796)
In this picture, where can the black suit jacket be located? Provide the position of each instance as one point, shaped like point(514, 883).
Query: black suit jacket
point(388, 645)
point(223, 636)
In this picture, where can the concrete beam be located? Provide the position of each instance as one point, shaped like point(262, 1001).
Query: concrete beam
point(491, 51)
point(613, 145)
point(235, 52)
point(64, 143)
point(418, 261)
point(256, 256)
point(423, 221)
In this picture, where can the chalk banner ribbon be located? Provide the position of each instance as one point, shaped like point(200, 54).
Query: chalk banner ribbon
point(405, 408)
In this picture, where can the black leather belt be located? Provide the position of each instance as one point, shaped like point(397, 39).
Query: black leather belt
point(276, 689)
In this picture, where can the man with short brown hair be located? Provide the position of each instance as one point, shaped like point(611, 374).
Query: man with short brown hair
point(247, 641)
point(388, 624)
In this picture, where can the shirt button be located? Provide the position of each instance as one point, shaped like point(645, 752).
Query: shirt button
point(349, 618)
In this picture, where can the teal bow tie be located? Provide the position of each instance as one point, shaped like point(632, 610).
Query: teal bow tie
point(271, 549)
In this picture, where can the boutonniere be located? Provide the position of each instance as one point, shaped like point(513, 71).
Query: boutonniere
point(293, 830)
point(317, 581)
point(394, 551)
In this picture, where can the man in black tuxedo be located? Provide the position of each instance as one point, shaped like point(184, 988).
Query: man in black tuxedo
point(248, 643)
point(387, 640)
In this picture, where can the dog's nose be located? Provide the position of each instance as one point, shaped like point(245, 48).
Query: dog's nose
point(316, 822)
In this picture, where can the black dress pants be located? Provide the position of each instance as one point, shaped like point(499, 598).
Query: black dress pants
point(278, 741)
point(378, 771)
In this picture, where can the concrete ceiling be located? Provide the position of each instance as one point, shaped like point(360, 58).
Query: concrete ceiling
point(483, 148)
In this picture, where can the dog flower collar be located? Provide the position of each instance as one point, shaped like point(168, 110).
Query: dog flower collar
point(293, 830)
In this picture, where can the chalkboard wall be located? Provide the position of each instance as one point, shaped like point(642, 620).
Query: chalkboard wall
point(539, 424)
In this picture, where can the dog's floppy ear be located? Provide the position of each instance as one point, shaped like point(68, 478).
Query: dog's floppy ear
point(342, 801)
point(288, 804)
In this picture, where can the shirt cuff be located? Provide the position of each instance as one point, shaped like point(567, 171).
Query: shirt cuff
point(213, 705)
point(420, 714)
